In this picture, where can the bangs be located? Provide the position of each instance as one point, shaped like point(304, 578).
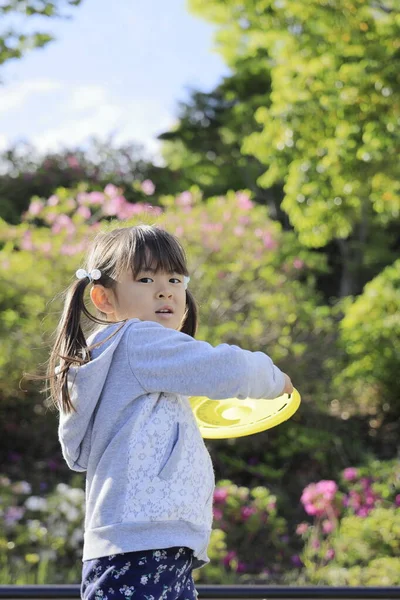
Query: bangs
point(157, 250)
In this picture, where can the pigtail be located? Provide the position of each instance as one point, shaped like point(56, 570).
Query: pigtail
point(190, 320)
point(70, 346)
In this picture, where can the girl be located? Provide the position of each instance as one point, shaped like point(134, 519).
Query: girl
point(126, 420)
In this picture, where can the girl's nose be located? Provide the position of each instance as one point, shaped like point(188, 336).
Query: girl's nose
point(164, 293)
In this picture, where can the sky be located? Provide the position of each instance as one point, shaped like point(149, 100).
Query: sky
point(116, 67)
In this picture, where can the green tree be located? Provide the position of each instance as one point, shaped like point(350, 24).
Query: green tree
point(14, 44)
point(329, 132)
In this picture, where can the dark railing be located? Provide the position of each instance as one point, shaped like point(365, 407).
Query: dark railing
point(225, 592)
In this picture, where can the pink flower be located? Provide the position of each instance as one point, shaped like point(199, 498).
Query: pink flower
point(302, 528)
point(63, 222)
point(247, 512)
point(330, 554)
point(26, 242)
point(73, 162)
point(241, 567)
point(111, 190)
point(35, 207)
point(363, 511)
point(298, 264)
point(315, 544)
point(84, 212)
point(148, 187)
point(317, 497)
point(53, 201)
point(184, 199)
point(95, 198)
point(238, 231)
point(397, 500)
point(220, 495)
point(328, 526)
point(268, 241)
point(113, 205)
point(230, 556)
point(350, 474)
point(243, 200)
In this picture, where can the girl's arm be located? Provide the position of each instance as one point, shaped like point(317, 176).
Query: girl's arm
point(166, 360)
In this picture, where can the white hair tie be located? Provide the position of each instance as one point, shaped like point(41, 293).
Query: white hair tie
point(186, 281)
point(93, 275)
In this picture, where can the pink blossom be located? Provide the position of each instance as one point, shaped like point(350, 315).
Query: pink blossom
point(239, 231)
point(35, 207)
point(95, 198)
point(258, 232)
point(243, 200)
point(73, 162)
point(328, 526)
point(315, 544)
point(302, 528)
point(298, 264)
point(350, 474)
point(111, 190)
point(317, 497)
point(113, 205)
point(221, 274)
point(63, 222)
point(230, 556)
point(212, 227)
point(84, 212)
point(397, 500)
point(51, 217)
point(268, 241)
point(244, 220)
point(26, 242)
point(184, 199)
point(330, 554)
point(179, 231)
point(247, 512)
point(53, 200)
point(241, 567)
point(46, 247)
point(220, 495)
point(148, 187)
point(83, 198)
point(363, 511)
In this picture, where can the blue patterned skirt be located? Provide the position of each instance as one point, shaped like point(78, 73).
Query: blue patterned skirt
point(149, 575)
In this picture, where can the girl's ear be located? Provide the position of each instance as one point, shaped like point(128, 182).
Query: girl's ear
point(102, 298)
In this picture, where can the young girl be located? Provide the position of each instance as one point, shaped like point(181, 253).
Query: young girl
point(126, 420)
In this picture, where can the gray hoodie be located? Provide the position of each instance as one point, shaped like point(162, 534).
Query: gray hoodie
point(150, 480)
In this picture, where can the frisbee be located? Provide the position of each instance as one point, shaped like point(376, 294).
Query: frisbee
point(232, 418)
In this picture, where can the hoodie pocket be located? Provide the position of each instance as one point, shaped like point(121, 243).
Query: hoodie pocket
point(173, 453)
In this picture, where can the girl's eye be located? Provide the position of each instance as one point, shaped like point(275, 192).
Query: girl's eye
point(145, 280)
point(175, 280)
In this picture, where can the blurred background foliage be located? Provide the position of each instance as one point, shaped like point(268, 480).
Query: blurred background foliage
point(283, 184)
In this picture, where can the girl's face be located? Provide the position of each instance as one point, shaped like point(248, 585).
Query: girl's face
point(151, 296)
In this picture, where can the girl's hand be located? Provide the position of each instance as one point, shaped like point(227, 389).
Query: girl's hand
point(288, 389)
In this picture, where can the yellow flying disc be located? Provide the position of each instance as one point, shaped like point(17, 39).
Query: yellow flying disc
point(232, 418)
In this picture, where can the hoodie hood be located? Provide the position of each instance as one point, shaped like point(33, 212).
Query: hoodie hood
point(85, 384)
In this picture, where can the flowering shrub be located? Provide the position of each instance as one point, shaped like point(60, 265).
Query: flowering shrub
point(40, 537)
point(355, 529)
point(252, 537)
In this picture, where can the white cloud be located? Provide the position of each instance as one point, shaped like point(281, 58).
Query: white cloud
point(77, 129)
point(16, 95)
